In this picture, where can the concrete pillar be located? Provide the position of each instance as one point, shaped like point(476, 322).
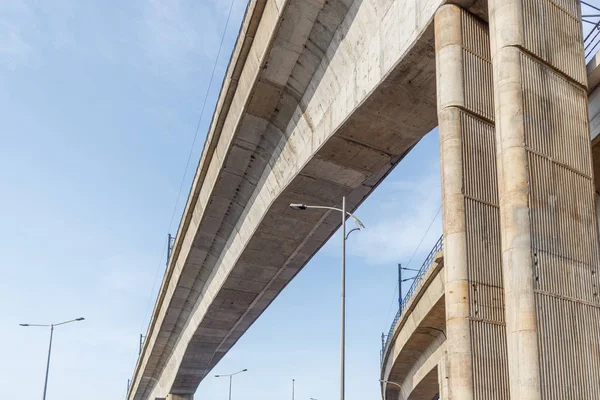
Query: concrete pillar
point(476, 339)
point(442, 381)
point(549, 233)
point(180, 397)
point(450, 92)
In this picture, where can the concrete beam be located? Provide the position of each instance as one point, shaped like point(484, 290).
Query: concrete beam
point(370, 98)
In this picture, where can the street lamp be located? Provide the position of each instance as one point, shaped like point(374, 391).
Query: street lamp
point(359, 225)
point(50, 345)
point(230, 376)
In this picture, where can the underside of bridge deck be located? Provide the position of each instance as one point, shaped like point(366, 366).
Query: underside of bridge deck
point(321, 100)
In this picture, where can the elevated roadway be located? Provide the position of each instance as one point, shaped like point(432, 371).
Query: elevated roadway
point(322, 98)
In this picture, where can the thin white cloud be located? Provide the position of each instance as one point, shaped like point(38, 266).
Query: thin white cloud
point(176, 30)
point(27, 31)
point(403, 215)
point(14, 50)
point(15, 20)
point(123, 273)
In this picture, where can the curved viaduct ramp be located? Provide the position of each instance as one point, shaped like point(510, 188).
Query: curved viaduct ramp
point(322, 98)
point(417, 344)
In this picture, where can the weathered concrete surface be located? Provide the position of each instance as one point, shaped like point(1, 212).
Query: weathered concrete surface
point(476, 364)
point(428, 385)
point(593, 72)
point(547, 202)
point(417, 344)
point(394, 354)
point(322, 99)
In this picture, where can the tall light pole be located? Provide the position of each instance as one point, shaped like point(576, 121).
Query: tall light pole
point(50, 345)
point(359, 225)
point(230, 376)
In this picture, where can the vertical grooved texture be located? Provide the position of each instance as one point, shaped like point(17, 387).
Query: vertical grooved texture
point(482, 217)
point(477, 67)
point(563, 231)
point(548, 198)
point(553, 33)
point(472, 136)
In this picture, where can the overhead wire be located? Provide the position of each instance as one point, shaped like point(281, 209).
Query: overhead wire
point(397, 288)
point(190, 154)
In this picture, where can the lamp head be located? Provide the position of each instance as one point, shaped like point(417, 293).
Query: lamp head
point(244, 370)
point(297, 206)
point(23, 324)
point(358, 223)
point(80, 319)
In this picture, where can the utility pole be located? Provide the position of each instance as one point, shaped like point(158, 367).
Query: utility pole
point(382, 346)
point(400, 286)
point(401, 281)
point(170, 243)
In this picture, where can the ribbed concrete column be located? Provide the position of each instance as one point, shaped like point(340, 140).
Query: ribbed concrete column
point(549, 233)
point(476, 365)
point(451, 91)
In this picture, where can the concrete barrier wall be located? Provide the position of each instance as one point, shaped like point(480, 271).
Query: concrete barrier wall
point(417, 342)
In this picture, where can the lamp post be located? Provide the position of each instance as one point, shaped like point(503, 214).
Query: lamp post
point(230, 376)
point(359, 225)
point(50, 346)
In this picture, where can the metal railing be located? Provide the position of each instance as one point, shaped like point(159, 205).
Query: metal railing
point(591, 26)
point(439, 245)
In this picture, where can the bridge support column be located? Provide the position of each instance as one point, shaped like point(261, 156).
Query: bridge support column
point(475, 361)
point(442, 381)
point(549, 235)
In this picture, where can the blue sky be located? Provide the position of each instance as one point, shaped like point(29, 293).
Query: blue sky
point(99, 102)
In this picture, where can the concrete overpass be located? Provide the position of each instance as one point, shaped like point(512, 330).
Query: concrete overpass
point(322, 98)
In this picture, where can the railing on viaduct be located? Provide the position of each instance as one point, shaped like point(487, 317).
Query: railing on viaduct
point(439, 245)
point(591, 31)
point(591, 26)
